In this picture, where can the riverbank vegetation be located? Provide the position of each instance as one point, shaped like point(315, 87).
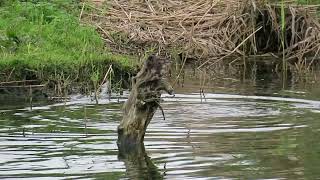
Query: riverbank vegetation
point(45, 42)
point(214, 32)
point(61, 43)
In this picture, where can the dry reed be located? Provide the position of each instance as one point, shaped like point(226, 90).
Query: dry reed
point(207, 30)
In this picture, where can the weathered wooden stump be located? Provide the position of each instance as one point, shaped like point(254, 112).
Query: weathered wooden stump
point(143, 101)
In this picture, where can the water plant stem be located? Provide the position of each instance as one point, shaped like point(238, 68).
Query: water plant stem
point(283, 29)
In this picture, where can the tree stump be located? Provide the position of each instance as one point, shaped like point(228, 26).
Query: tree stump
point(143, 101)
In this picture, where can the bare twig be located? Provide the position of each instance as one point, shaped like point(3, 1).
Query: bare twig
point(80, 16)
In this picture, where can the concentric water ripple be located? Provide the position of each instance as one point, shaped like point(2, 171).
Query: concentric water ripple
point(220, 136)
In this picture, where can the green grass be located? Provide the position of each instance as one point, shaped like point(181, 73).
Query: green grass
point(40, 39)
point(308, 2)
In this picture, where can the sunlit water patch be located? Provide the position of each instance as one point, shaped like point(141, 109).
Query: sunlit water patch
point(219, 136)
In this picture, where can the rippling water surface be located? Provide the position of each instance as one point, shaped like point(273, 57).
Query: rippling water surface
point(221, 136)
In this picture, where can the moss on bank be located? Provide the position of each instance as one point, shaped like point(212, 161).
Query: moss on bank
point(44, 41)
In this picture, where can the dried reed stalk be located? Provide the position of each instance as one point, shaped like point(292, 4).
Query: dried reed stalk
point(203, 29)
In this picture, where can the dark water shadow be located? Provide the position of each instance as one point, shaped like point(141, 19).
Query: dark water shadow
point(138, 164)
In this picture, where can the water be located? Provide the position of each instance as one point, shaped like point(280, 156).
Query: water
point(221, 136)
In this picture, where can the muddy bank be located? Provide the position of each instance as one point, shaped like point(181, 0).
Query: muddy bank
point(216, 37)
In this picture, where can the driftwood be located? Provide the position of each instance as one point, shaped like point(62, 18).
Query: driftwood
point(143, 101)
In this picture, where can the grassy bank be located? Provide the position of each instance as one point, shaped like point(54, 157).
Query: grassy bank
point(44, 41)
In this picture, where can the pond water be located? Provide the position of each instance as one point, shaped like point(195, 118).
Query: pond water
point(242, 132)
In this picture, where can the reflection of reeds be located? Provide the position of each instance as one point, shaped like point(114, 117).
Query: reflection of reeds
point(95, 79)
point(85, 119)
point(283, 30)
point(30, 97)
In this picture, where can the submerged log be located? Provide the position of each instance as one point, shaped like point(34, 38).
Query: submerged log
point(143, 101)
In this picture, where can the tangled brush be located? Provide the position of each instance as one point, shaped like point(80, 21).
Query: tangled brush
point(207, 30)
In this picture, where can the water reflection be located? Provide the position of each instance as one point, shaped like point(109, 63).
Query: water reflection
point(138, 164)
point(224, 137)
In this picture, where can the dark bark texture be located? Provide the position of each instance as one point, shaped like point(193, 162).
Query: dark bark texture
point(143, 101)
